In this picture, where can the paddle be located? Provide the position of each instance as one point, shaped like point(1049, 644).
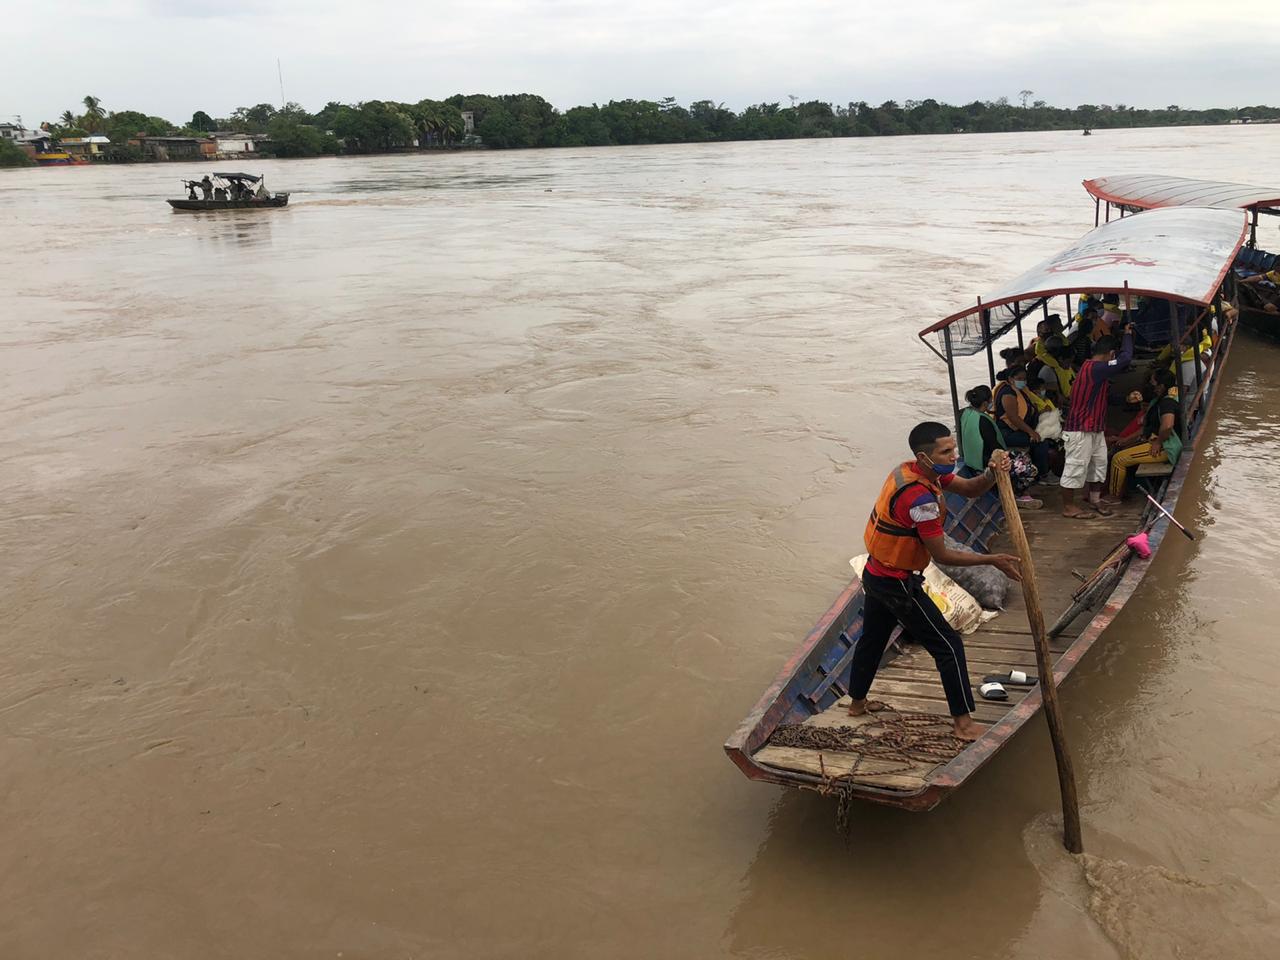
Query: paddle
point(1185, 532)
point(1048, 688)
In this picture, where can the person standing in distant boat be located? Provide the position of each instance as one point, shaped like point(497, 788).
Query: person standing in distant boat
point(904, 533)
point(206, 186)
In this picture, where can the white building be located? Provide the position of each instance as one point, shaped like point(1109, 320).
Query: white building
point(237, 144)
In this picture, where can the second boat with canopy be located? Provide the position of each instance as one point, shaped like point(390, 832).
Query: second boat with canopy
point(1135, 193)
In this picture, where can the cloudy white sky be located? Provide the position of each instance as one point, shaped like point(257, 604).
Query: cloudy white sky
point(172, 57)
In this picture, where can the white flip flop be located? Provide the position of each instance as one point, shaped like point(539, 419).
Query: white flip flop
point(993, 691)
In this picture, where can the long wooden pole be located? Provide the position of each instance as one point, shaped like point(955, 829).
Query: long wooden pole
point(1044, 662)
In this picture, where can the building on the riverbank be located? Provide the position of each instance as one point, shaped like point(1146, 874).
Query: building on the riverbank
point(12, 131)
point(176, 148)
point(232, 144)
point(83, 149)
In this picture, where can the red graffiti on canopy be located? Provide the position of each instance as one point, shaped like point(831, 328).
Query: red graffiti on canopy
point(1089, 261)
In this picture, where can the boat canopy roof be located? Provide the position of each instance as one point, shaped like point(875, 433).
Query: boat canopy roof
point(252, 178)
point(1180, 254)
point(1145, 191)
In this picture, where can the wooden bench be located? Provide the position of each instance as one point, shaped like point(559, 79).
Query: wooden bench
point(1154, 470)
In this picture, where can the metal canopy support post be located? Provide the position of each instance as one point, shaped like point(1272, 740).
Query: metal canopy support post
point(985, 316)
point(1176, 334)
point(1253, 236)
point(951, 376)
point(1097, 210)
point(1017, 312)
point(1108, 220)
point(1196, 356)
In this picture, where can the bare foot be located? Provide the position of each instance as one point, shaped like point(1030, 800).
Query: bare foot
point(965, 728)
point(857, 708)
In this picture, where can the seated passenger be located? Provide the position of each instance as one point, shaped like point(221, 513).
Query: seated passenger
point(1049, 387)
point(1271, 276)
point(1134, 400)
point(1192, 344)
point(1017, 415)
point(980, 437)
point(1079, 341)
point(1161, 425)
point(1267, 298)
point(1048, 336)
point(1108, 320)
point(1059, 361)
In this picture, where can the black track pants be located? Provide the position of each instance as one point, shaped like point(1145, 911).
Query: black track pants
point(890, 601)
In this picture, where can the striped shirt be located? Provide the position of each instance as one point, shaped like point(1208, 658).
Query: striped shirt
point(1088, 413)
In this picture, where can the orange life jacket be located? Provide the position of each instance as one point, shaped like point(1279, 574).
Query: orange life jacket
point(889, 542)
point(1021, 403)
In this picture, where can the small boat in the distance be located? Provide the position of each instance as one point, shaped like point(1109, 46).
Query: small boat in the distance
point(230, 191)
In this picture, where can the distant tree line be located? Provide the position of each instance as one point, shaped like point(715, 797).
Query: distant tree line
point(527, 120)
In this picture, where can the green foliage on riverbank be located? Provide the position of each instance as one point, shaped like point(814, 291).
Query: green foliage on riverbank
point(11, 156)
point(527, 120)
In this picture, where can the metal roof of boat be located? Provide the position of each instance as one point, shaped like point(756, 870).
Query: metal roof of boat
point(1147, 191)
point(1179, 253)
point(251, 177)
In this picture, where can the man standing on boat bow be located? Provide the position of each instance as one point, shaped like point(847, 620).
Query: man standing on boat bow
point(904, 533)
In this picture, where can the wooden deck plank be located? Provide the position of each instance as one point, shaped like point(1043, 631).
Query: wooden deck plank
point(834, 764)
point(981, 660)
point(930, 676)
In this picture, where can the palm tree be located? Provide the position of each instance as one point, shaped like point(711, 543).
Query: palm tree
point(93, 115)
point(428, 119)
point(452, 124)
point(68, 119)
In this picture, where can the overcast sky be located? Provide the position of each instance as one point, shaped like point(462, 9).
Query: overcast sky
point(172, 57)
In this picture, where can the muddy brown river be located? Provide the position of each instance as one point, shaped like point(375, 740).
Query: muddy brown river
point(382, 574)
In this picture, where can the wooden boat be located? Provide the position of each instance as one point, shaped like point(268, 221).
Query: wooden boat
point(231, 183)
point(1180, 257)
point(1125, 195)
point(1137, 192)
point(1260, 321)
point(276, 200)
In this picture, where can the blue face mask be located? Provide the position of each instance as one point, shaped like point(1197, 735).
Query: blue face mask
point(941, 469)
point(1020, 384)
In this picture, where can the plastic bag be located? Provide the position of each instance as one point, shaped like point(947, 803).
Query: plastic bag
point(1049, 426)
point(958, 608)
point(985, 583)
